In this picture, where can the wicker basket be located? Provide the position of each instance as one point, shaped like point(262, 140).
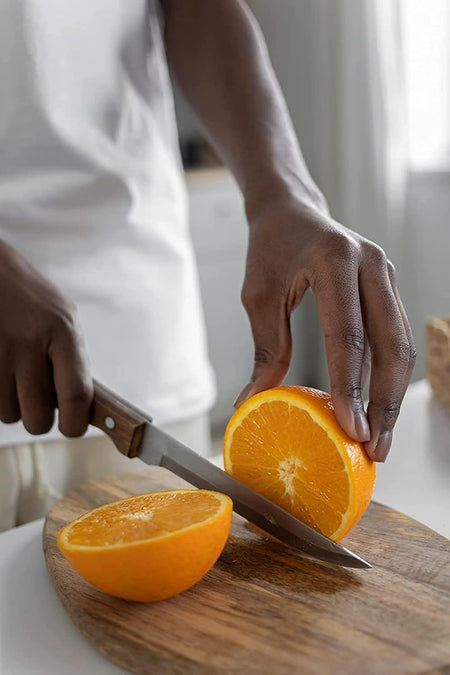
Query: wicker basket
point(438, 358)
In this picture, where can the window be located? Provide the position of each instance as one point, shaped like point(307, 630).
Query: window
point(426, 50)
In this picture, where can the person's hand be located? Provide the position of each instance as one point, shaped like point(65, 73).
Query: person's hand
point(43, 364)
point(294, 248)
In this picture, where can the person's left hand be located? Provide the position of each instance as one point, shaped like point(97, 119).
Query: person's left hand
point(293, 248)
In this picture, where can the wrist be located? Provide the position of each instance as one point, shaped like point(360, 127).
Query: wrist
point(277, 194)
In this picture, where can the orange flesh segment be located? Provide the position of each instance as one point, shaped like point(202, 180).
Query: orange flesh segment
point(143, 517)
point(277, 449)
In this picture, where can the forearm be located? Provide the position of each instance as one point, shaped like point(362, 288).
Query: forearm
point(220, 60)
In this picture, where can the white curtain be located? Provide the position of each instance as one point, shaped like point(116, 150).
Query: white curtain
point(360, 140)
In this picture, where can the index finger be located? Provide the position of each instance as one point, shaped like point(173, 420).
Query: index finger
point(73, 383)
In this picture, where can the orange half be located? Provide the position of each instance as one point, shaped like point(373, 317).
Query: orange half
point(149, 547)
point(286, 444)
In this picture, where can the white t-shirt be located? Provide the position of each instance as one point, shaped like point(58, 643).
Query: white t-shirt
point(91, 192)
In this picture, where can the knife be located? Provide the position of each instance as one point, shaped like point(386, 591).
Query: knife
point(134, 435)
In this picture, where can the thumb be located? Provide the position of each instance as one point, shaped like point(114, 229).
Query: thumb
point(271, 331)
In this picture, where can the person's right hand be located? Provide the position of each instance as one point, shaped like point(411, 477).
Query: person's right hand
point(43, 364)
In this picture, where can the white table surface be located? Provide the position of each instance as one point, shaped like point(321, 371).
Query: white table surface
point(37, 637)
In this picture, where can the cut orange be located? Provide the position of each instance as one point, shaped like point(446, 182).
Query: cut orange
point(286, 444)
point(149, 547)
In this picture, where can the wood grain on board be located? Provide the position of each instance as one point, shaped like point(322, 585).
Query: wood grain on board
point(266, 609)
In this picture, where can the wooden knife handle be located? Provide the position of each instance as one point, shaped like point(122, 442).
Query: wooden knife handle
point(123, 423)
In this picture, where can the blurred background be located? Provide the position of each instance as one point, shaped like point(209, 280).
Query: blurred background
point(367, 83)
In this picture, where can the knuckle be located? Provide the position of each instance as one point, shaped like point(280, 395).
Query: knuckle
point(352, 391)
point(263, 356)
point(258, 296)
point(374, 256)
point(253, 296)
point(353, 339)
point(266, 357)
point(64, 318)
point(391, 412)
point(342, 247)
point(63, 323)
point(402, 351)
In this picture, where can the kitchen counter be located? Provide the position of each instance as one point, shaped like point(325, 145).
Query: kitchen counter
point(416, 476)
point(37, 637)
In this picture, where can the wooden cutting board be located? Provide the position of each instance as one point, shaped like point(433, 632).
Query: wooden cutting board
point(265, 609)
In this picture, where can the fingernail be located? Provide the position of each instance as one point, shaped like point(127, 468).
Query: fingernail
point(383, 446)
point(362, 426)
point(244, 395)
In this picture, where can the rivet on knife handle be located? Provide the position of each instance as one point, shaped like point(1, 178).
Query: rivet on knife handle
point(123, 423)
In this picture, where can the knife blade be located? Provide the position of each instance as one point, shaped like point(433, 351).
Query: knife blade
point(135, 435)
